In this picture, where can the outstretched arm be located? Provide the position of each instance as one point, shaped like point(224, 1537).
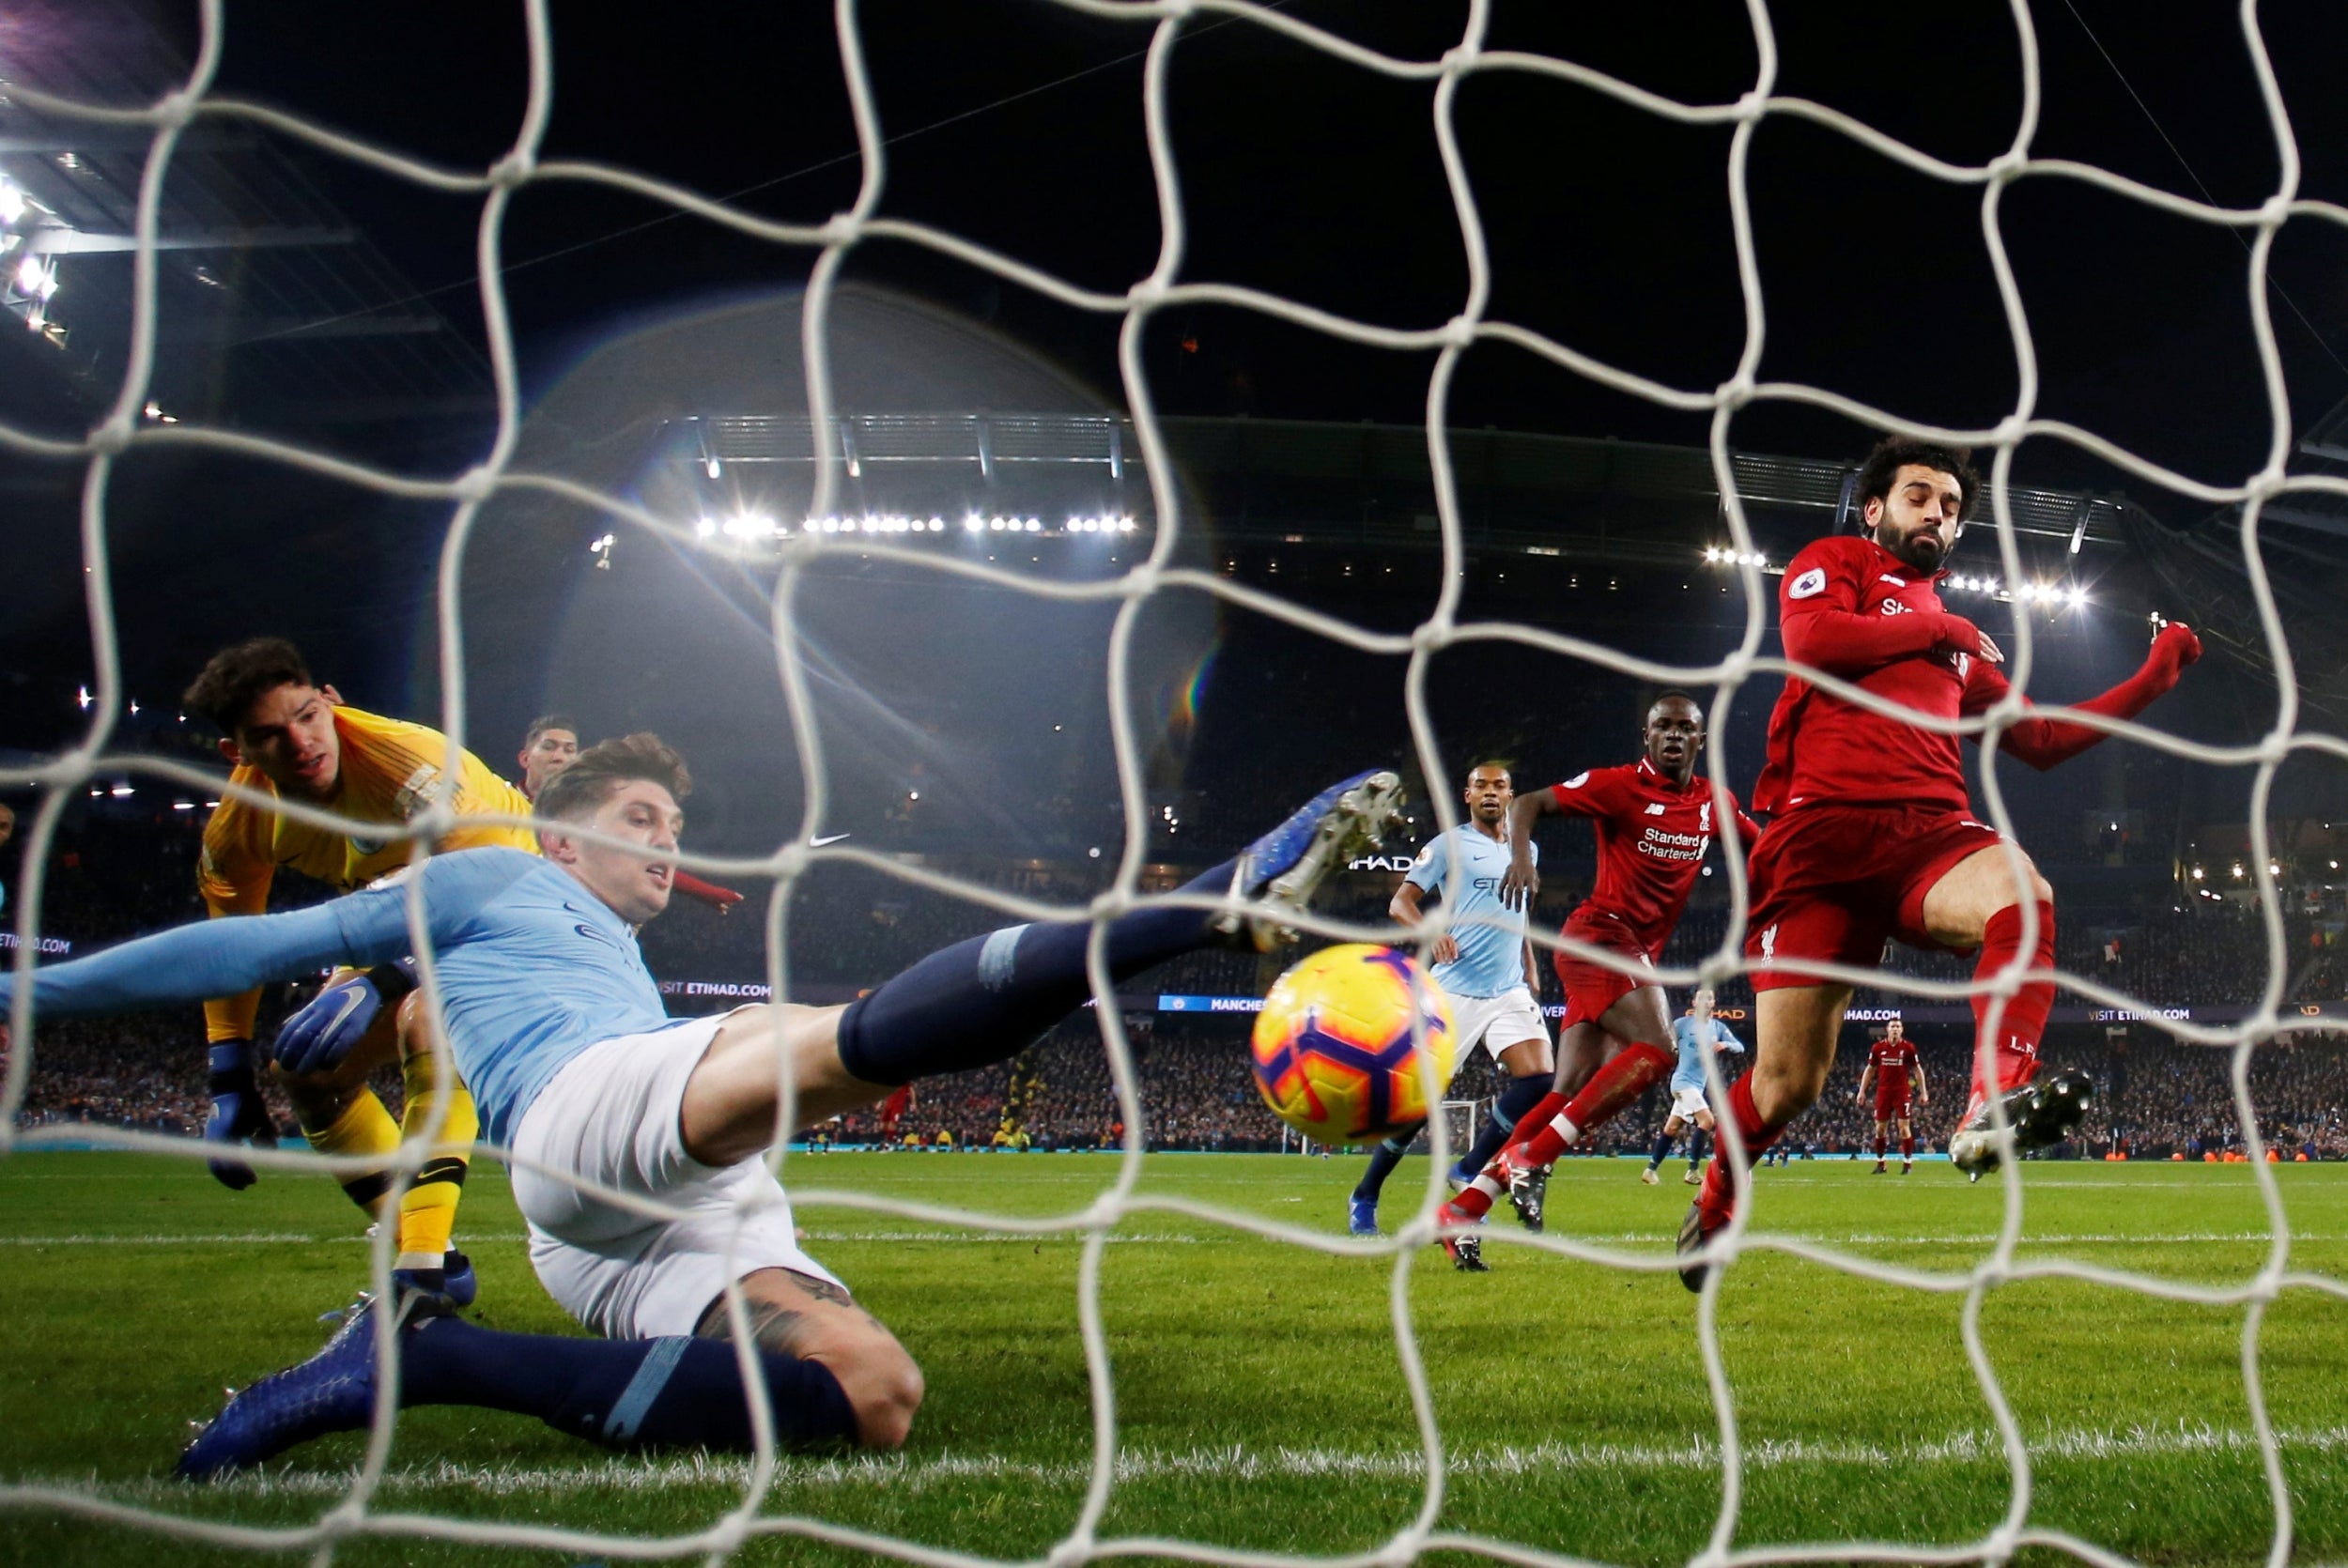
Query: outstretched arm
point(1819, 618)
point(1521, 882)
point(236, 953)
point(2044, 742)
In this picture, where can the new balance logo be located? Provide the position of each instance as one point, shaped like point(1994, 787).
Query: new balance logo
point(1656, 808)
point(1895, 582)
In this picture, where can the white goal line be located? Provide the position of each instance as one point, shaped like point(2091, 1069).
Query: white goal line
point(1973, 1446)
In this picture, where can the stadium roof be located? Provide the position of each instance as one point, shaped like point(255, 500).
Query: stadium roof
point(275, 310)
point(1350, 482)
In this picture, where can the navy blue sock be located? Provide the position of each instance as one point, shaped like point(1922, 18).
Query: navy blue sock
point(1521, 1096)
point(987, 999)
point(1382, 1160)
point(626, 1393)
point(1662, 1149)
point(1696, 1143)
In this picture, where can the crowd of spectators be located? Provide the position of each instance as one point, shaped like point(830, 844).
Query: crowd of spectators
point(849, 927)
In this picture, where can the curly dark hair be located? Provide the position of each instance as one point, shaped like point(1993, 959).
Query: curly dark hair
point(237, 677)
point(1895, 452)
point(577, 790)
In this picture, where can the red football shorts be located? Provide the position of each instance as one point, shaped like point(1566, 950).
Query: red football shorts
point(1835, 883)
point(1592, 988)
point(1892, 1100)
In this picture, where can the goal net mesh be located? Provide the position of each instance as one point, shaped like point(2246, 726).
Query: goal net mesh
point(359, 1510)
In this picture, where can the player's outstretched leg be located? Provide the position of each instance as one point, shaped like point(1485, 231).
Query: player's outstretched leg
point(1976, 1148)
point(1625, 1075)
point(628, 1395)
point(981, 1001)
point(1792, 1056)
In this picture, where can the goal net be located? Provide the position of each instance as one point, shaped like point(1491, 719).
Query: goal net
point(352, 1509)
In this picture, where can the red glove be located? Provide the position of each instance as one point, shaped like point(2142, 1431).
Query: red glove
point(2173, 647)
point(720, 899)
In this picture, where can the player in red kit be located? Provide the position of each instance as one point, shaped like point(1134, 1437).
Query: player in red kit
point(1871, 835)
point(1654, 820)
point(1895, 1071)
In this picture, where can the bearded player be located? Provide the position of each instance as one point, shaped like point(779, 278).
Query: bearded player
point(1654, 821)
point(1873, 835)
point(288, 736)
point(1484, 962)
point(560, 1030)
point(1898, 1076)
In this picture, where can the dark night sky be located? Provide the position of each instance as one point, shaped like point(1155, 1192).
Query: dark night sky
point(1609, 228)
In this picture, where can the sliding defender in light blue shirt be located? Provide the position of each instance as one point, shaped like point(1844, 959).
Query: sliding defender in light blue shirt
point(559, 1030)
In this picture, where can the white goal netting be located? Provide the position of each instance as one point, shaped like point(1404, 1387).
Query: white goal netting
point(357, 1510)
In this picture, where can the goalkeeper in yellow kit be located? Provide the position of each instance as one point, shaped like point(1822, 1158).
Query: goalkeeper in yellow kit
point(288, 736)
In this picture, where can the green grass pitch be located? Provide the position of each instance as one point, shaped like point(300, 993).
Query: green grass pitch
point(1260, 1400)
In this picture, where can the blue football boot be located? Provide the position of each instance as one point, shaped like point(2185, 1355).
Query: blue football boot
point(332, 1392)
point(1285, 865)
point(1361, 1217)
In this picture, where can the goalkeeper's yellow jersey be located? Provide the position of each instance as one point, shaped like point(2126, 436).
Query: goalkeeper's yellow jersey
point(389, 769)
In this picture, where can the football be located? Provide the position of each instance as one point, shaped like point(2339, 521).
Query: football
point(1335, 1053)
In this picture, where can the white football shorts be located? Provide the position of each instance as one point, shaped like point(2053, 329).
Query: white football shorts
point(1496, 1023)
point(611, 1117)
point(1687, 1103)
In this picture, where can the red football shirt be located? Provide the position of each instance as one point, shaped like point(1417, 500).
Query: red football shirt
point(1652, 836)
point(1835, 607)
point(1894, 1064)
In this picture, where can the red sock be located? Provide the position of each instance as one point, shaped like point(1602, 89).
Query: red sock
point(1627, 1075)
point(2015, 1060)
point(1881, 1143)
point(1718, 1198)
point(1534, 1119)
point(1908, 1150)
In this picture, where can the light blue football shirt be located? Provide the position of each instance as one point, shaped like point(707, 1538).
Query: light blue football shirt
point(533, 968)
point(1463, 867)
point(1693, 1038)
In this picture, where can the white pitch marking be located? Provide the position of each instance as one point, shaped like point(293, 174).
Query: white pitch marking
point(623, 1475)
